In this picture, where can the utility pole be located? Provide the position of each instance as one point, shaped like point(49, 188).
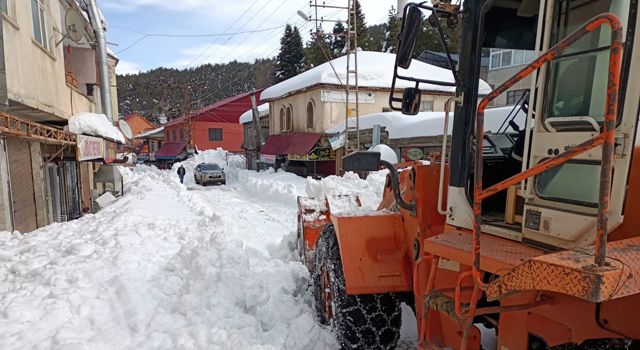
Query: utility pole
point(186, 109)
point(352, 67)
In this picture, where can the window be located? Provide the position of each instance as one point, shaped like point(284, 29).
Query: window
point(310, 115)
point(513, 96)
point(167, 136)
point(577, 81)
point(508, 58)
point(571, 182)
point(38, 15)
point(174, 136)
point(8, 7)
point(426, 106)
point(289, 119)
point(182, 135)
point(283, 127)
point(215, 134)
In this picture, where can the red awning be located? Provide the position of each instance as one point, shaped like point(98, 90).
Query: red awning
point(290, 143)
point(170, 150)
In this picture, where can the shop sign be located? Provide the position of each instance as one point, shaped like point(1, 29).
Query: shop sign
point(339, 97)
point(268, 158)
point(109, 151)
point(412, 153)
point(90, 147)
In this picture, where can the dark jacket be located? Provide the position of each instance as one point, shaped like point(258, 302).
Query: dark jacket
point(181, 171)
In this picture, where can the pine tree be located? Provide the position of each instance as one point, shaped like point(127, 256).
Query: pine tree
point(392, 33)
point(318, 50)
point(364, 40)
point(339, 39)
point(290, 60)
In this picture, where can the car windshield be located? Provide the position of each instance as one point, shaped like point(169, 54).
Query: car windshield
point(210, 167)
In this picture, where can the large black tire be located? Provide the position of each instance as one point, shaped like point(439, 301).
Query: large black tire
point(366, 321)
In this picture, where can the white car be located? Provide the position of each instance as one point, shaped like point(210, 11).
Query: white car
point(209, 173)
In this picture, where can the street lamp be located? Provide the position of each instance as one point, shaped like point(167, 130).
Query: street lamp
point(303, 15)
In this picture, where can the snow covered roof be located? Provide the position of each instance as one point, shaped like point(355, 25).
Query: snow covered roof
point(247, 116)
point(95, 125)
point(375, 69)
point(159, 131)
point(423, 124)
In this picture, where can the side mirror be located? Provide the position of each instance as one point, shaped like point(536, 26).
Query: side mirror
point(361, 161)
point(411, 24)
point(411, 98)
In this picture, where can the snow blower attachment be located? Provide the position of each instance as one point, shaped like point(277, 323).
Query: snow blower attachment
point(540, 252)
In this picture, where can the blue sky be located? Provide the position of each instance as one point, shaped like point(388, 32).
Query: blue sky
point(129, 20)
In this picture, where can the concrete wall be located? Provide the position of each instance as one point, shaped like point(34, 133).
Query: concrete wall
point(35, 75)
point(496, 77)
point(328, 114)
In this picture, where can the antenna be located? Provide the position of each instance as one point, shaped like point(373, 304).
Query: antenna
point(126, 129)
point(75, 24)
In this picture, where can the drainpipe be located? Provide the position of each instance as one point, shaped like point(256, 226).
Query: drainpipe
point(103, 66)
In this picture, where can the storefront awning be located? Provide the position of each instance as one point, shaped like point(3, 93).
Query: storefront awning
point(290, 143)
point(170, 150)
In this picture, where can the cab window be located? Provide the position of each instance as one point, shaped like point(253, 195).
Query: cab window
point(577, 80)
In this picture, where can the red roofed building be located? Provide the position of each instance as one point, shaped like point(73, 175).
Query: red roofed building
point(215, 126)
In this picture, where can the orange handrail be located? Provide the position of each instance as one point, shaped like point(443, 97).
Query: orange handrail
point(606, 138)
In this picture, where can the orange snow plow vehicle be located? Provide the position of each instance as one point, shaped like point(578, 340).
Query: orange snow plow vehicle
point(531, 237)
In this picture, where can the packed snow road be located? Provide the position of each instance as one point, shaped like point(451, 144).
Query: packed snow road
point(169, 266)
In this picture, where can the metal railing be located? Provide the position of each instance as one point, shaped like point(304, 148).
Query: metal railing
point(606, 139)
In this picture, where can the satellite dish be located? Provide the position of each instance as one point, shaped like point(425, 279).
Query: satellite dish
point(74, 22)
point(126, 129)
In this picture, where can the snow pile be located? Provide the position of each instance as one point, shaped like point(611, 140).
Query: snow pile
point(95, 125)
point(247, 116)
point(375, 69)
point(164, 267)
point(423, 124)
point(369, 191)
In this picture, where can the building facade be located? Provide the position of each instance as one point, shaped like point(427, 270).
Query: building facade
point(314, 101)
point(504, 64)
point(212, 127)
point(45, 78)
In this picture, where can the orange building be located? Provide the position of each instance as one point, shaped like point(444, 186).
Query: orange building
point(212, 127)
point(138, 123)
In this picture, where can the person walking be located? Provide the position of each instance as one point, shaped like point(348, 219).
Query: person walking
point(181, 173)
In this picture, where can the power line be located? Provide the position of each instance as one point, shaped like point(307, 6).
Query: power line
point(150, 35)
point(226, 30)
point(247, 22)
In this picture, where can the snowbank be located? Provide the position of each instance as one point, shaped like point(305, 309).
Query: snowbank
point(247, 116)
point(95, 125)
point(375, 69)
point(161, 268)
point(399, 125)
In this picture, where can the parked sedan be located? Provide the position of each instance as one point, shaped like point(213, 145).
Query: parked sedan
point(207, 173)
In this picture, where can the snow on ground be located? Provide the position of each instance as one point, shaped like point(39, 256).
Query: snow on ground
point(172, 266)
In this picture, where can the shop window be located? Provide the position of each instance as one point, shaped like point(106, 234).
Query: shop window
point(38, 16)
point(215, 134)
point(310, 115)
